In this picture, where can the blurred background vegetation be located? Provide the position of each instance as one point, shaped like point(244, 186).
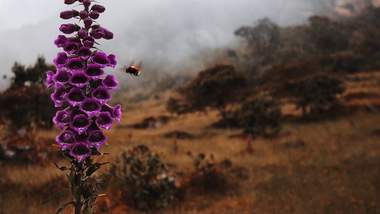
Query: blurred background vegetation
point(288, 120)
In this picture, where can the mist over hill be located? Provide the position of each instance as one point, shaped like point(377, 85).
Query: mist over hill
point(167, 33)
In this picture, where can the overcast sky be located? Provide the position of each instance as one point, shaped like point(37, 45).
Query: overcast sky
point(168, 31)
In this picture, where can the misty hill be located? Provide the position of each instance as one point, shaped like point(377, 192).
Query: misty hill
point(165, 33)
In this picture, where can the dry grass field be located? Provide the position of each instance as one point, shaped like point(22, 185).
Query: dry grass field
point(329, 166)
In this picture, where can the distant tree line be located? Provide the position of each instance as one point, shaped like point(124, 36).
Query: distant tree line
point(26, 103)
point(303, 64)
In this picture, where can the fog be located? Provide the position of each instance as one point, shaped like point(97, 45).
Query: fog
point(169, 32)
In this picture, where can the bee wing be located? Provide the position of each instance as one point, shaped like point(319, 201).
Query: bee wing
point(124, 68)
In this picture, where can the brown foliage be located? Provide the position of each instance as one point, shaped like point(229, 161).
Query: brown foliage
point(215, 87)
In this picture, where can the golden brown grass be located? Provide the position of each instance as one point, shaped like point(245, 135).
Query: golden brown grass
point(330, 166)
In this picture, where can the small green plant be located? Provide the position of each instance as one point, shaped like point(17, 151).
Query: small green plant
point(144, 180)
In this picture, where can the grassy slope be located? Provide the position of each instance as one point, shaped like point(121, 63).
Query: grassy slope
point(321, 167)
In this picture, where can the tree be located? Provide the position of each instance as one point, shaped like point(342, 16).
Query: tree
point(328, 36)
point(26, 103)
point(261, 38)
point(260, 116)
point(316, 94)
point(31, 75)
point(26, 107)
point(215, 87)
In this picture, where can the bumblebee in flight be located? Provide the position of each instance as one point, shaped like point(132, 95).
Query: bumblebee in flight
point(133, 69)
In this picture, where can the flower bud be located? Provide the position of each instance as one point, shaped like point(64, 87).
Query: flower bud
point(112, 60)
point(108, 34)
point(70, 1)
point(82, 33)
point(89, 42)
point(49, 82)
point(87, 3)
point(98, 8)
point(83, 14)
point(84, 52)
point(71, 46)
point(94, 15)
point(68, 14)
point(69, 28)
point(87, 23)
point(97, 33)
point(60, 41)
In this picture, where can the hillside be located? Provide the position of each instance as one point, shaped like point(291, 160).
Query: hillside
point(327, 166)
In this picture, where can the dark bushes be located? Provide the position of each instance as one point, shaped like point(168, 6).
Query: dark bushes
point(209, 176)
point(177, 106)
point(144, 182)
point(25, 107)
point(260, 116)
point(143, 179)
point(215, 87)
point(26, 104)
point(316, 95)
